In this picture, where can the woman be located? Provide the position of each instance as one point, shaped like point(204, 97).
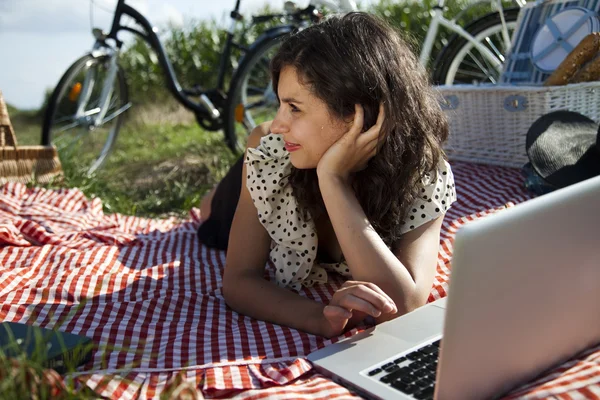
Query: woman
point(348, 178)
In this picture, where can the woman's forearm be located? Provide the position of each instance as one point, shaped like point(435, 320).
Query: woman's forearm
point(368, 257)
point(264, 300)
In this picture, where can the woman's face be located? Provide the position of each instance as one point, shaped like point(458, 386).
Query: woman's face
point(304, 122)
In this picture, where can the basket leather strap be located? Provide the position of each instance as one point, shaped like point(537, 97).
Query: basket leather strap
point(7, 133)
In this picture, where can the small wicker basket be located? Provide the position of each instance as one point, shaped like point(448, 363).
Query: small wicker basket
point(25, 164)
point(489, 124)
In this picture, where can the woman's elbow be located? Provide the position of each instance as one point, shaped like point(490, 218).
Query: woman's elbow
point(238, 289)
point(410, 301)
point(416, 299)
point(230, 286)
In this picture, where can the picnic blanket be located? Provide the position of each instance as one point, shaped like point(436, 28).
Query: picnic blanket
point(150, 295)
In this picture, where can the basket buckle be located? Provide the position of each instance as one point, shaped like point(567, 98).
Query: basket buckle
point(514, 103)
point(449, 102)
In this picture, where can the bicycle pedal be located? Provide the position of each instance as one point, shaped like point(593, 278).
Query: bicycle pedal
point(212, 110)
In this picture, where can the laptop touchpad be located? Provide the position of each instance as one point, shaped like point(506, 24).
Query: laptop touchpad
point(416, 326)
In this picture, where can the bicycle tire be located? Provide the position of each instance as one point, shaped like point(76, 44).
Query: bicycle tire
point(236, 132)
point(80, 150)
point(452, 60)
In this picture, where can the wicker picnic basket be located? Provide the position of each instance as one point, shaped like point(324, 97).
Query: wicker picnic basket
point(25, 164)
point(489, 123)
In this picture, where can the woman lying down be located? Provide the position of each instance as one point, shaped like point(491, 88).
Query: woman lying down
point(349, 178)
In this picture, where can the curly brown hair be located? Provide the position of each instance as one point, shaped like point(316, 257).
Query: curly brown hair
point(359, 59)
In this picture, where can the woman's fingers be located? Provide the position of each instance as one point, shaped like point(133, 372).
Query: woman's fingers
point(371, 136)
point(358, 303)
point(356, 130)
point(364, 296)
point(355, 298)
point(373, 133)
point(336, 313)
point(359, 118)
point(337, 318)
point(380, 116)
point(370, 285)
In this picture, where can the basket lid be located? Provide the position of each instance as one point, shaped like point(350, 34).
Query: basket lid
point(560, 34)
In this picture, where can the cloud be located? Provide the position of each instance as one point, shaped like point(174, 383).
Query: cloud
point(44, 16)
point(37, 63)
point(171, 15)
point(62, 16)
point(43, 37)
point(252, 6)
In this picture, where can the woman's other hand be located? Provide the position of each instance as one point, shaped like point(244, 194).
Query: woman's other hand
point(355, 299)
point(354, 149)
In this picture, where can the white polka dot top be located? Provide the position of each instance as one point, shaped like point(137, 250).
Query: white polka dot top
point(295, 241)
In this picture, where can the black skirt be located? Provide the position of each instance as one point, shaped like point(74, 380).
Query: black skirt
point(214, 232)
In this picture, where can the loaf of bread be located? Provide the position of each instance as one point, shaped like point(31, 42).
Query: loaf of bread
point(589, 72)
point(585, 51)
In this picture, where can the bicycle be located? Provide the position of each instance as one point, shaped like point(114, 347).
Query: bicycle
point(249, 99)
point(86, 109)
point(474, 54)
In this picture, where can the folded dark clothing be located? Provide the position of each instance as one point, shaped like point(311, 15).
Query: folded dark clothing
point(214, 232)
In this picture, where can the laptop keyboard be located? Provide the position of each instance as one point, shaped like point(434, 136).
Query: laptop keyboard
point(413, 373)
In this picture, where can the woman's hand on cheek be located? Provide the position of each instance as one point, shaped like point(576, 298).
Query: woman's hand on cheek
point(355, 299)
point(354, 149)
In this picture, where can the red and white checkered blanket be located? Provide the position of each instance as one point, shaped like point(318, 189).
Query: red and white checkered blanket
point(150, 295)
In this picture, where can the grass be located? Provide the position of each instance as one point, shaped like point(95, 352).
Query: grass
point(161, 165)
point(25, 372)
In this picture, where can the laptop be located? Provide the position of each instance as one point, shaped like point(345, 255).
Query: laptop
point(523, 297)
point(54, 349)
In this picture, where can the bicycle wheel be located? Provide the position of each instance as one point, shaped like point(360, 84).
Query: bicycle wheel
point(251, 99)
point(81, 144)
point(461, 62)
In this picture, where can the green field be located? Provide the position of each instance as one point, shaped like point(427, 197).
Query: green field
point(162, 163)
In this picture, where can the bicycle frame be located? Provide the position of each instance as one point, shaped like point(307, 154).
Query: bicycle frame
point(207, 114)
point(204, 107)
point(439, 19)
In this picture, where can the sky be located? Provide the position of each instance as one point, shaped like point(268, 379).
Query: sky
point(39, 39)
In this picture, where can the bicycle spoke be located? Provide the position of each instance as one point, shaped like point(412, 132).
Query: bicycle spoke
point(475, 76)
point(254, 91)
point(63, 119)
point(116, 113)
point(467, 62)
point(71, 142)
point(266, 63)
point(113, 101)
point(252, 84)
point(67, 127)
point(473, 70)
point(259, 82)
point(78, 144)
point(470, 73)
point(482, 68)
point(255, 105)
point(492, 46)
point(480, 64)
